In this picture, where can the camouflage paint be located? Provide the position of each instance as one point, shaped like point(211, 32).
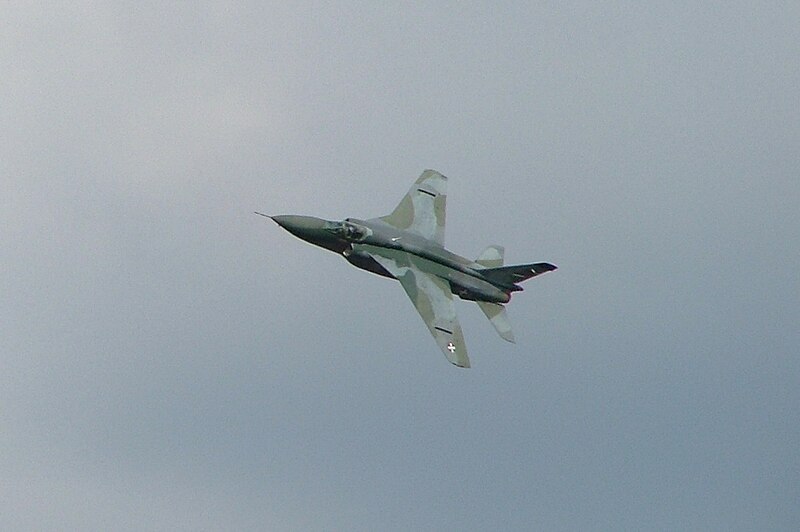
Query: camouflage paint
point(408, 245)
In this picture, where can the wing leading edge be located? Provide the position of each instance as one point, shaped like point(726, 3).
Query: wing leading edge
point(432, 298)
point(422, 210)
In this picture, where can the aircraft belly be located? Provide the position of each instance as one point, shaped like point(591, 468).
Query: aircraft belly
point(473, 289)
point(464, 286)
point(365, 262)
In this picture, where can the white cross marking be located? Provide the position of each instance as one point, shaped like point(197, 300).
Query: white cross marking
point(451, 347)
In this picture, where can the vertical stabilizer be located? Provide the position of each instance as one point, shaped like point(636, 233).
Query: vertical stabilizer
point(491, 257)
point(497, 315)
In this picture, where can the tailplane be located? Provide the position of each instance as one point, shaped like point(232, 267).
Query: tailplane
point(491, 260)
point(511, 275)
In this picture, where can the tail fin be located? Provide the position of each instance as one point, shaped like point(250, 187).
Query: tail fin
point(511, 275)
point(491, 257)
point(497, 315)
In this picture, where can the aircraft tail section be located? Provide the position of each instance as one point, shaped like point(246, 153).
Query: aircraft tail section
point(491, 257)
point(498, 317)
point(511, 275)
point(508, 276)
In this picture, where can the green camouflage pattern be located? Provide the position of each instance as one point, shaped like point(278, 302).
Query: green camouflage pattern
point(422, 210)
point(408, 245)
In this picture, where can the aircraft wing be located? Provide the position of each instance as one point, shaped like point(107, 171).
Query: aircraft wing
point(422, 210)
point(433, 299)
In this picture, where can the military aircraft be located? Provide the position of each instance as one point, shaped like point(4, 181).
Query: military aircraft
point(408, 245)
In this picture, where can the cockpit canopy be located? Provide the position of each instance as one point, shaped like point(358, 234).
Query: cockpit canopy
point(347, 230)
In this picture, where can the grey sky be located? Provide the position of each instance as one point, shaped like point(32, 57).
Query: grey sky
point(171, 361)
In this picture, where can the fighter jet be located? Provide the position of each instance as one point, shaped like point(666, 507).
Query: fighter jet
point(408, 245)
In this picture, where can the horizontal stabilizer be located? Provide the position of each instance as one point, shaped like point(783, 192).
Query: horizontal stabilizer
point(511, 275)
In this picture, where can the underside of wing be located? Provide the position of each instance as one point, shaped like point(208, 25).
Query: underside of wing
point(422, 210)
point(432, 298)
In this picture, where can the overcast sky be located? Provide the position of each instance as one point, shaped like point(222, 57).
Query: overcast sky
point(170, 361)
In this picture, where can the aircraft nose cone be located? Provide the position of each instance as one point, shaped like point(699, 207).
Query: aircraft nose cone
point(298, 224)
point(313, 230)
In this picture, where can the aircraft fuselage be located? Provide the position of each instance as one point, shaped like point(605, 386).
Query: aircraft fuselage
point(353, 238)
